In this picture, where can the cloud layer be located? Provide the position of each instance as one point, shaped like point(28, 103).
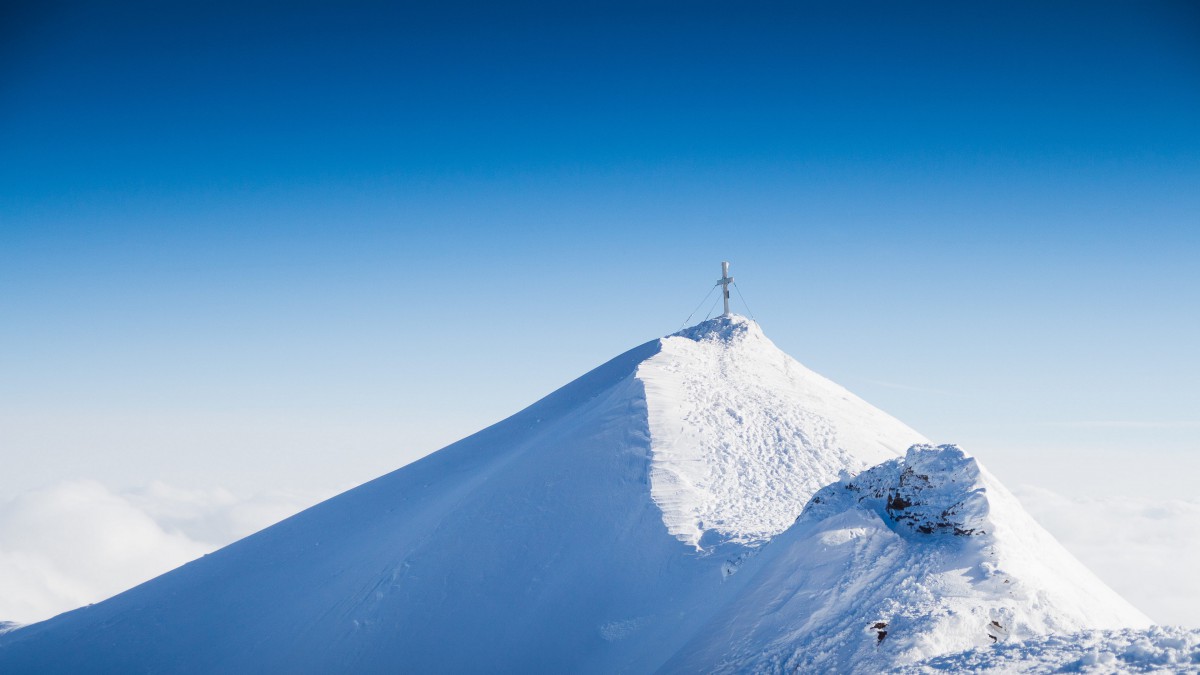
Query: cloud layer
point(1148, 550)
point(78, 542)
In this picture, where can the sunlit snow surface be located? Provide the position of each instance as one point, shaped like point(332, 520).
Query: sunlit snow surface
point(1161, 649)
point(639, 519)
point(742, 434)
point(917, 556)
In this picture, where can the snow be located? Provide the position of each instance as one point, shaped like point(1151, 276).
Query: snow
point(532, 545)
point(742, 434)
point(648, 516)
point(1160, 649)
point(915, 557)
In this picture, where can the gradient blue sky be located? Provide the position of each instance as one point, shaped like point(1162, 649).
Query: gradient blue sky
point(300, 244)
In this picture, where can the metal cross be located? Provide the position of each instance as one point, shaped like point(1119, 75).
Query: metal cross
point(725, 280)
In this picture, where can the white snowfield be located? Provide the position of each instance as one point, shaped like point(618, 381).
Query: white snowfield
point(742, 434)
point(642, 518)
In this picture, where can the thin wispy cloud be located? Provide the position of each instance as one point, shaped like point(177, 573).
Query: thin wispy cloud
point(79, 542)
point(908, 387)
point(1127, 424)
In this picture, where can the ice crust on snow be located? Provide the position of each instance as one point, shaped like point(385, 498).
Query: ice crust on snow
point(1160, 649)
point(648, 517)
point(742, 434)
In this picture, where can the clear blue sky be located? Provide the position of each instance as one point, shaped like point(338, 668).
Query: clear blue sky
point(307, 243)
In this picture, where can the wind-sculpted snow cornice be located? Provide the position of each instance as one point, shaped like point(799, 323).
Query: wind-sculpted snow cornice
point(932, 490)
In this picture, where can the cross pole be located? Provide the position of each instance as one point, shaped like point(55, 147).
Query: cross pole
point(724, 281)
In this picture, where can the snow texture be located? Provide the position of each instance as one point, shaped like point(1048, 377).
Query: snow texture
point(742, 434)
point(915, 557)
point(1160, 649)
point(618, 525)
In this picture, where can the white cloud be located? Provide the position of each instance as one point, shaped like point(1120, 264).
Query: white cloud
point(78, 542)
point(215, 516)
point(907, 387)
point(1134, 425)
point(1148, 550)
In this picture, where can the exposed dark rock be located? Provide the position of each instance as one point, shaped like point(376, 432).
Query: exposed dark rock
point(930, 491)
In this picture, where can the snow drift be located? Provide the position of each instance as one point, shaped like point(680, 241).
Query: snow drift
point(641, 518)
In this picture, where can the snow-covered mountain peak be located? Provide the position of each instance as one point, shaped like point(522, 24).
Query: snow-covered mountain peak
point(564, 539)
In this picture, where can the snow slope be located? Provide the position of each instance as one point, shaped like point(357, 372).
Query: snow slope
point(742, 434)
point(915, 557)
point(617, 525)
point(529, 546)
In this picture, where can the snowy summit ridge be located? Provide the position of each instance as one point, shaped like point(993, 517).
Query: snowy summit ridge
point(702, 502)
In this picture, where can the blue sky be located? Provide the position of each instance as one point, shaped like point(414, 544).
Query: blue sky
point(237, 243)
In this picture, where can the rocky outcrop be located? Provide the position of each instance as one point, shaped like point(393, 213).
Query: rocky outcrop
point(932, 490)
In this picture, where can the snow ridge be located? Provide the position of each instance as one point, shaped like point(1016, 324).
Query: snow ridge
point(914, 558)
point(742, 434)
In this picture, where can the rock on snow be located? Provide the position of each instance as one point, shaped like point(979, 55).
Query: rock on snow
point(649, 516)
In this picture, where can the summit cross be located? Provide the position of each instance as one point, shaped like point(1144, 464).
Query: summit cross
point(724, 281)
